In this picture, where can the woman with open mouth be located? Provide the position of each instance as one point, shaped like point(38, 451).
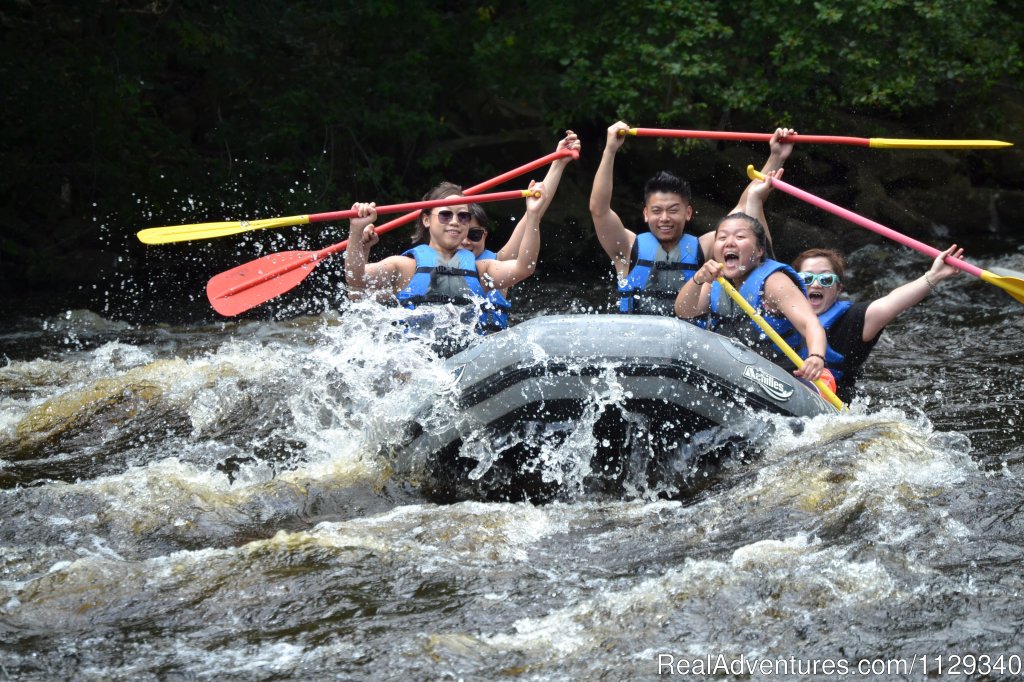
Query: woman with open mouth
point(773, 289)
point(852, 329)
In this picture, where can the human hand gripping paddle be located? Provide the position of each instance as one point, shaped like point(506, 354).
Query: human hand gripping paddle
point(779, 341)
point(246, 286)
point(1010, 284)
point(875, 142)
point(184, 233)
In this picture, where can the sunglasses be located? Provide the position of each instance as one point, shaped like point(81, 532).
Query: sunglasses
point(475, 234)
point(825, 279)
point(445, 216)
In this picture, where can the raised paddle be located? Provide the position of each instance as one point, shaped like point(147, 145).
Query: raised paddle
point(258, 281)
point(184, 233)
point(826, 392)
point(1011, 285)
point(876, 142)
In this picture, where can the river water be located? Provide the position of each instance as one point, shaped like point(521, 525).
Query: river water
point(210, 501)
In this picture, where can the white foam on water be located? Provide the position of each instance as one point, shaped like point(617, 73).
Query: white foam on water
point(439, 536)
point(810, 573)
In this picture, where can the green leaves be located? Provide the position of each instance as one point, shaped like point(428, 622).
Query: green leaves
point(379, 100)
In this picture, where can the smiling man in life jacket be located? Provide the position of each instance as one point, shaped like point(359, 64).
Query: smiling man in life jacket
point(651, 267)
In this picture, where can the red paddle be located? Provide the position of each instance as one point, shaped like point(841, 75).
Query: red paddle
point(875, 142)
point(244, 287)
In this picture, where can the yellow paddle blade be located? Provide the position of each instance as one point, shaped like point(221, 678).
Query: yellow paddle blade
point(1014, 286)
point(185, 233)
point(896, 143)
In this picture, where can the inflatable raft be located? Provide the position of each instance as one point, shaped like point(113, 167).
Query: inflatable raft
point(568, 406)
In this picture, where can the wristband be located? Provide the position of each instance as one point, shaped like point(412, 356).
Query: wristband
point(816, 355)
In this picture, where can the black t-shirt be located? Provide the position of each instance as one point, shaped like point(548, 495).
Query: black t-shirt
point(846, 336)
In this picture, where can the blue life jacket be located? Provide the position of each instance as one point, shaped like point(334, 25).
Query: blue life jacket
point(737, 323)
point(460, 274)
point(634, 294)
point(833, 359)
point(494, 312)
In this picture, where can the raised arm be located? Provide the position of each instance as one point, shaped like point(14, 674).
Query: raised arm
point(753, 202)
point(782, 296)
point(550, 182)
point(886, 309)
point(779, 151)
point(499, 274)
point(360, 275)
point(694, 297)
point(615, 239)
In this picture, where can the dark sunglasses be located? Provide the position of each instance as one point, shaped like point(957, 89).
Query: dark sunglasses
point(445, 216)
point(475, 234)
point(825, 279)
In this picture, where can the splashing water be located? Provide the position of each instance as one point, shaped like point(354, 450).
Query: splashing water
point(216, 500)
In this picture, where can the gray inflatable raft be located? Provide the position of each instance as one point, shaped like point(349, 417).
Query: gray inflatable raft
point(567, 406)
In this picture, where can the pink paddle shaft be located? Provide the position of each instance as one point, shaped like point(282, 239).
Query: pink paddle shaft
point(873, 226)
point(416, 205)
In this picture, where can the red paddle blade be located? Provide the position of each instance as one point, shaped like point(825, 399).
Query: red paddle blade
point(250, 284)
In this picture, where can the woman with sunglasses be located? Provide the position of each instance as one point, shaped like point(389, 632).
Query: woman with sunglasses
point(853, 328)
point(438, 271)
point(771, 287)
point(495, 311)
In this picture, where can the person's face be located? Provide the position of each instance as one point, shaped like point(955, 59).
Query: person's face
point(820, 297)
point(736, 247)
point(476, 247)
point(666, 214)
point(448, 225)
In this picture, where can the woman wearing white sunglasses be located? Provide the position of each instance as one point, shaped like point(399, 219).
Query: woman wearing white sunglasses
point(852, 329)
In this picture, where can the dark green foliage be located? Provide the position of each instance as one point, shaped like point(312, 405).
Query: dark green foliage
point(136, 113)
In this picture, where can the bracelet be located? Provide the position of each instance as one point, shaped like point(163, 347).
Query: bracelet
point(816, 355)
point(694, 279)
point(929, 282)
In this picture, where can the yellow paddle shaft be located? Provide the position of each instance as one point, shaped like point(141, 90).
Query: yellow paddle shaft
point(779, 341)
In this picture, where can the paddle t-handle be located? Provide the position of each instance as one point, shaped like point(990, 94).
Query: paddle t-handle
point(1011, 285)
